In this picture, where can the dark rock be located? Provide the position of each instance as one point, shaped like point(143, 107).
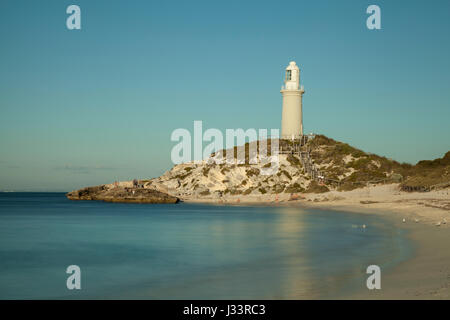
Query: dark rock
point(119, 194)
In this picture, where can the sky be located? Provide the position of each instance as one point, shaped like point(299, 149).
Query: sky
point(91, 106)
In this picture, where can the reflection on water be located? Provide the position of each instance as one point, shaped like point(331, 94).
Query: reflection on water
point(185, 251)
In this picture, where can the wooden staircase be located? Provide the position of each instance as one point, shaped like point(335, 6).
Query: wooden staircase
point(300, 148)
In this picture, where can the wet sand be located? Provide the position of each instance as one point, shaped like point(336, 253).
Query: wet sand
point(425, 276)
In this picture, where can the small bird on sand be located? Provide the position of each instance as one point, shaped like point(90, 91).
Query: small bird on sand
point(445, 221)
point(438, 224)
point(416, 220)
point(404, 220)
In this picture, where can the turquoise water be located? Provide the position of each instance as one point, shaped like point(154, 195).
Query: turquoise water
point(186, 251)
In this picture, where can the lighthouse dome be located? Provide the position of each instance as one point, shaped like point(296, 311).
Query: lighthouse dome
point(292, 78)
point(292, 66)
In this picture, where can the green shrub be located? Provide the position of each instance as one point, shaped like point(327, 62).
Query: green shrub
point(359, 164)
point(182, 176)
point(314, 187)
point(235, 192)
point(206, 171)
point(252, 172)
point(294, 188)
point(294, 161)
point(278, 188)
point(287, 174)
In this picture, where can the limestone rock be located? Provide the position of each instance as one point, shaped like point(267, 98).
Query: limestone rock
point(121, 194)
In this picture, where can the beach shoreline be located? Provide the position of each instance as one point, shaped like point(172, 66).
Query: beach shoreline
point(424, 216)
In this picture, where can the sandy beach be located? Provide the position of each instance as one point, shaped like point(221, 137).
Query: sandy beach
point(425, 216)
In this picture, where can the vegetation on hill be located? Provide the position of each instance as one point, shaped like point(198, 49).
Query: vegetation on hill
point(323, 164)
point(350, 168)
point(427, 174)
point(340, 166)
point(335, 159)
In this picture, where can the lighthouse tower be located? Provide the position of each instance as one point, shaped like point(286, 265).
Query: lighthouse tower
point(292, 91)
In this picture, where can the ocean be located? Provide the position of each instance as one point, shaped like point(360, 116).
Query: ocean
point(187, 251)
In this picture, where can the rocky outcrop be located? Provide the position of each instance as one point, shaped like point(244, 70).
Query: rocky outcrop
point(341, 166)
point(121, 194)
point(211, 180)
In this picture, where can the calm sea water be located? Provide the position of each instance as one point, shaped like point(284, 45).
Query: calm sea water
point(186, 251)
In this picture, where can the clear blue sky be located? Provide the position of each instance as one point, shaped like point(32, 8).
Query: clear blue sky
point(96, 105)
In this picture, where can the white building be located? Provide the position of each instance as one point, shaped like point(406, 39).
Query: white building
point(292, 91)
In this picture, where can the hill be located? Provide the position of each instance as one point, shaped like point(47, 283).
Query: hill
point(427, 175)
point(338, 166)
point(320, 165)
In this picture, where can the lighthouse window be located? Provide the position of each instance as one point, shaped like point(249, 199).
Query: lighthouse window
point(288, 75)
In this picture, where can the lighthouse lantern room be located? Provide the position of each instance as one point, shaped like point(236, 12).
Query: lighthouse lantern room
point(292, 92)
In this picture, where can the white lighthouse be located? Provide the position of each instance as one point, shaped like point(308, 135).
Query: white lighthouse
point(292, 91)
